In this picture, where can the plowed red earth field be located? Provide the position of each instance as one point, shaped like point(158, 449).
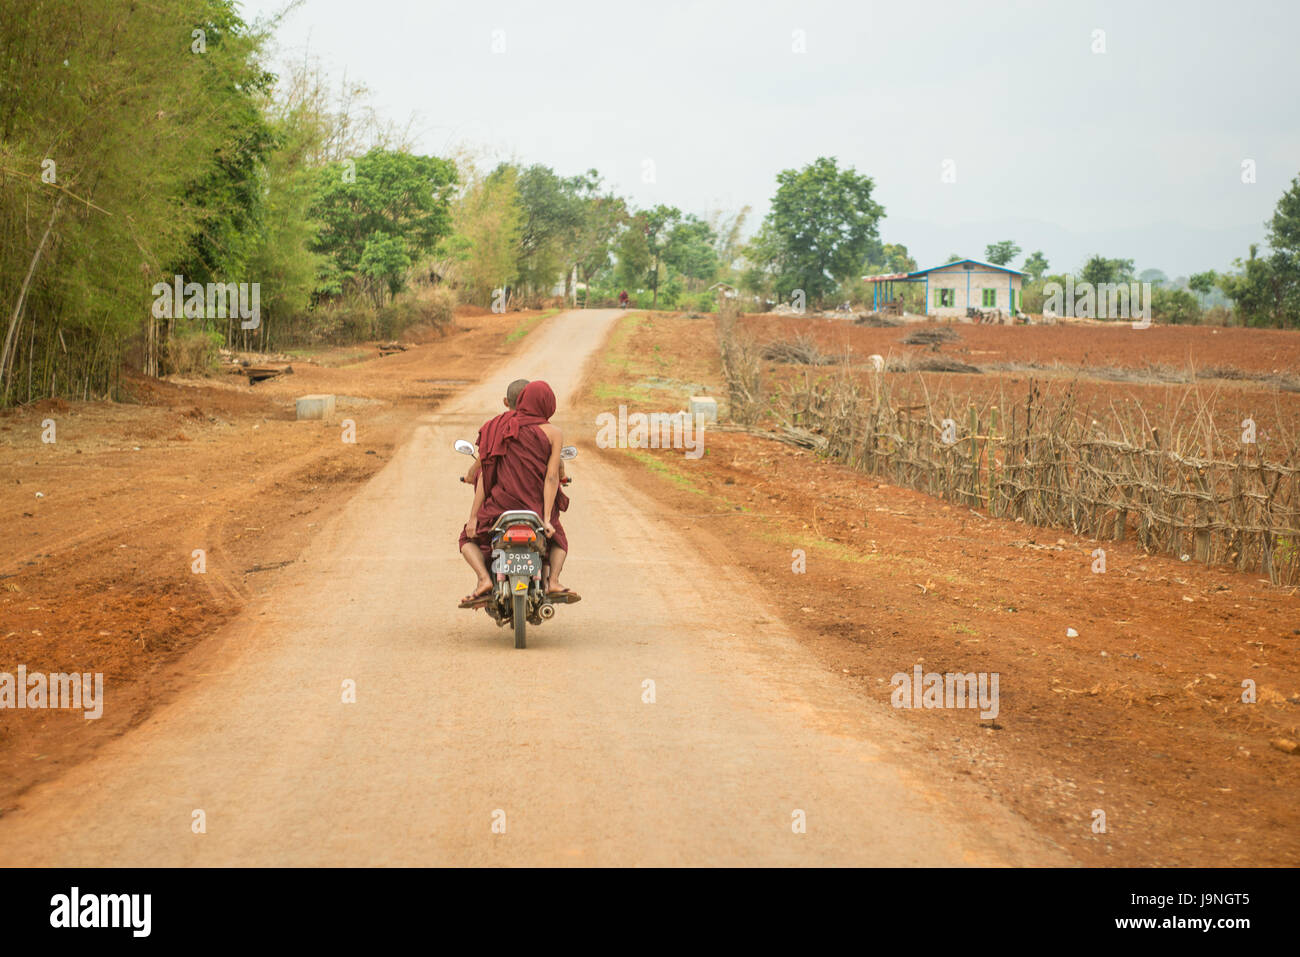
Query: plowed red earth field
point(1138, 717)
point(1071, 344)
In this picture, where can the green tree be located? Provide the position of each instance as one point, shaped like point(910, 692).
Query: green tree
point(1001, 253)
point(1284, 240)
point(391, 208)
point(1099, 270)
point(226, 202)
point(602, 216)
point(690, 250)
point(1203, 283)
point(552, 216)
point(890, 258)
point(484, 248)
point(656, 225)
point(111, 121)
point(1176, 306)
point(281, 256)
point(633, 254)
point(384, 261)
point(823, 224)
point(1035, 265)
point(1255, 291)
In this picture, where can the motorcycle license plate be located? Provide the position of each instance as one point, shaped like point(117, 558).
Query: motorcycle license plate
point(521, 563)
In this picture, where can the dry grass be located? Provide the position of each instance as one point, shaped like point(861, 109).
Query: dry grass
point(801, 350)
point(932, 336)
point(193, 353)
point(742, 365)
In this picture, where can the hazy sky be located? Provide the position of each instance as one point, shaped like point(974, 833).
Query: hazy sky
point(1133, 152)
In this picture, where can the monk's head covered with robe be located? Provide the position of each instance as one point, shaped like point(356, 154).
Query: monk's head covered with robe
point(536, 405)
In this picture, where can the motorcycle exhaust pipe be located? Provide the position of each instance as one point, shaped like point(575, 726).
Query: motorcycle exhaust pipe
point(546, 612)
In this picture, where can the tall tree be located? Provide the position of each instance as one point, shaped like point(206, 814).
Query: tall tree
point(1257, 295)
point(729, 230)
point(656, 224)
point(1035, 265)
point(823, 224)
point(1099, 270)
point(111, 115)
point(633, 254)
point(484, 248)
point(1284, 239)
point(690, 250)
point(1203, 283)
point(552, 216)
point(377, 217)
point(601, 216)
point(891, 258)
point(1001, 253)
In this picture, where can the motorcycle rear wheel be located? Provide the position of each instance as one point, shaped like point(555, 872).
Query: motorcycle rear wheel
point(520, 618)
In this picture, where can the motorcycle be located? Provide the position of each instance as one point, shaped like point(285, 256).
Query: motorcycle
point(519, 567)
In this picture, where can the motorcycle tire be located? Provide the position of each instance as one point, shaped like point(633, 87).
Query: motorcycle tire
point(520, 618)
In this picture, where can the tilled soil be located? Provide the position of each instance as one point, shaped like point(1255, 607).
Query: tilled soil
point(1138, 715)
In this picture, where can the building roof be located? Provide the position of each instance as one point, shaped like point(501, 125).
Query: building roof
point(977, 262)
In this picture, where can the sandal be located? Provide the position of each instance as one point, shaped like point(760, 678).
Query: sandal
point(478, 599)
point(564, 596)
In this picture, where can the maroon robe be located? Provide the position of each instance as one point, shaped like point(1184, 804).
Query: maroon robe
point(514, 453)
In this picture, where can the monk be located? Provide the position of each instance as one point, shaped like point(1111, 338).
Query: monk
point(511, 399)
point(519, 454)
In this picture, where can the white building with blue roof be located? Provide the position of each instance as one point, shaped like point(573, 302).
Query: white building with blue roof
point(954, 287)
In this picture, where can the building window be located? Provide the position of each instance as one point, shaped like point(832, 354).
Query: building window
point(990, 298)
point(945, 297)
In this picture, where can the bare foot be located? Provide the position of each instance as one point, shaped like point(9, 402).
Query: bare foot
point(481, 591)
point(558, 593)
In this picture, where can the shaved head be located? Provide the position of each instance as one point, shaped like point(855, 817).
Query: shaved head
point(513, 390)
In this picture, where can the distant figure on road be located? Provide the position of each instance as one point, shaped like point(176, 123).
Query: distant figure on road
point(623, 299)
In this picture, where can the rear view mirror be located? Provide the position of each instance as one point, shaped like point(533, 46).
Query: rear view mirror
point(465, 448)
point(569, 452)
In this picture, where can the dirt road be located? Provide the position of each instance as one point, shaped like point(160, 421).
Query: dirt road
point(453, 731)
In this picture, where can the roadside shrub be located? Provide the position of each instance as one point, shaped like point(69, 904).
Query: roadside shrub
point(194, 352)
point(1177, 306)
point(431, 306)
point(707, 301)
point(1218, 316)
